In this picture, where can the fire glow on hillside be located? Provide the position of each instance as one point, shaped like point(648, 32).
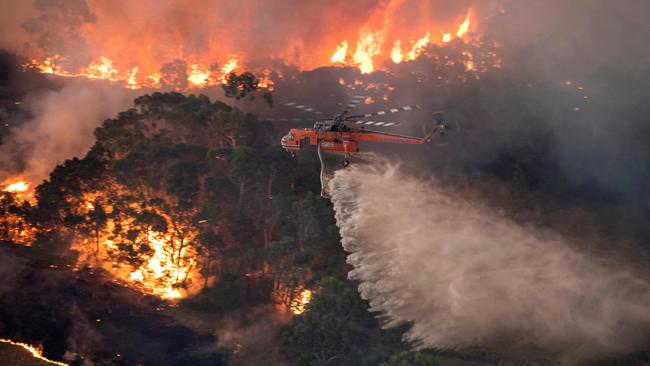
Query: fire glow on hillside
point(36, 352)
point(149, 61)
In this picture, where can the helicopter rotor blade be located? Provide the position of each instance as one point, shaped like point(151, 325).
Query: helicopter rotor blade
point(377, 123)
point(387, 111)
point(354, 102)
point(439, 117)
point(305, 108)
point(287, 119)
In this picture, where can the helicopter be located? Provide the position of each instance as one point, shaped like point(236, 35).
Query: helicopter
point(343, 133)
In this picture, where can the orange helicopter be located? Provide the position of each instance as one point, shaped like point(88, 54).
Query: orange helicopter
point(342, 133)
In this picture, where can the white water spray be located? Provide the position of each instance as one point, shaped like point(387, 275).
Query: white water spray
point(466, 276)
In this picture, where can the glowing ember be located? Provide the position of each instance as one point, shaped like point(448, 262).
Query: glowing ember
point(36, 352)
point(299, 305)
point(340, 53)
point(469, 62)
point(446, 37)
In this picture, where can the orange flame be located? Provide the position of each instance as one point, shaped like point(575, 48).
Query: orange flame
point(299, 305)
point(381, 37)
point(168, 266)
point(396, 53)
point(20, 187)
point(416, 50)
point(368, 46)
point(340, 53)
point(36, 352)
point(198, 75)
point(464, 27)
point(161, 274)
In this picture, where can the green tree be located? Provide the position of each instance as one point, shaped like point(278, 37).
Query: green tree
point(244, 168)
point(244, 86)
point(338, 329)
point(408, 358)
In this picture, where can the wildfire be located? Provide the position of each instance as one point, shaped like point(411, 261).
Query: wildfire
point(464, 27)
point(20, 187)
point(396, 53)
point(418, 46)
point(229, 67)
point(36, 352)
point(161, 275)
point(198, 75)
point(370, 44)
point(152, 62)
point(102, 70)
point(299, 305)
point(161, 261)
point(340, 53)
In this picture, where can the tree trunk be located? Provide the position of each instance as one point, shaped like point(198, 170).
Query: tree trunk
point(269, 185)
point(241, 192)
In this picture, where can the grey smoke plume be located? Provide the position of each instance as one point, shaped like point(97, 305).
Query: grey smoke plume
point(61, 127)
point(465, 275)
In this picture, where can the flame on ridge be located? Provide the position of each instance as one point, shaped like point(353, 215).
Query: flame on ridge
point(340, 53)
point(371, 41)
point(36, 352)
point(140, 57)
point(197, 74)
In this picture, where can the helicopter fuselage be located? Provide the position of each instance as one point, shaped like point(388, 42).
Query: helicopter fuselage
point(342, 138)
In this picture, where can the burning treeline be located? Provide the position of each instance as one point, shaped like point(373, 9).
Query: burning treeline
point(177, 193)
point(183, 45)
point(191, 201)
point(154, 231)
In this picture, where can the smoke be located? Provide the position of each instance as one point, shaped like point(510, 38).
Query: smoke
point(465, 275)
point(11, 269)
point(61, 126)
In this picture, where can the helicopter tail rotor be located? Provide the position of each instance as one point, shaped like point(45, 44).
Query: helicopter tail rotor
point(444, 126)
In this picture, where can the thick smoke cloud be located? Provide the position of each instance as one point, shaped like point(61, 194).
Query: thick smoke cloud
point(61, 127)
point(571, 39)
point(465, 275)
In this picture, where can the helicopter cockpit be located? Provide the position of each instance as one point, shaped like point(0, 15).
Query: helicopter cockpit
point(328, 126)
